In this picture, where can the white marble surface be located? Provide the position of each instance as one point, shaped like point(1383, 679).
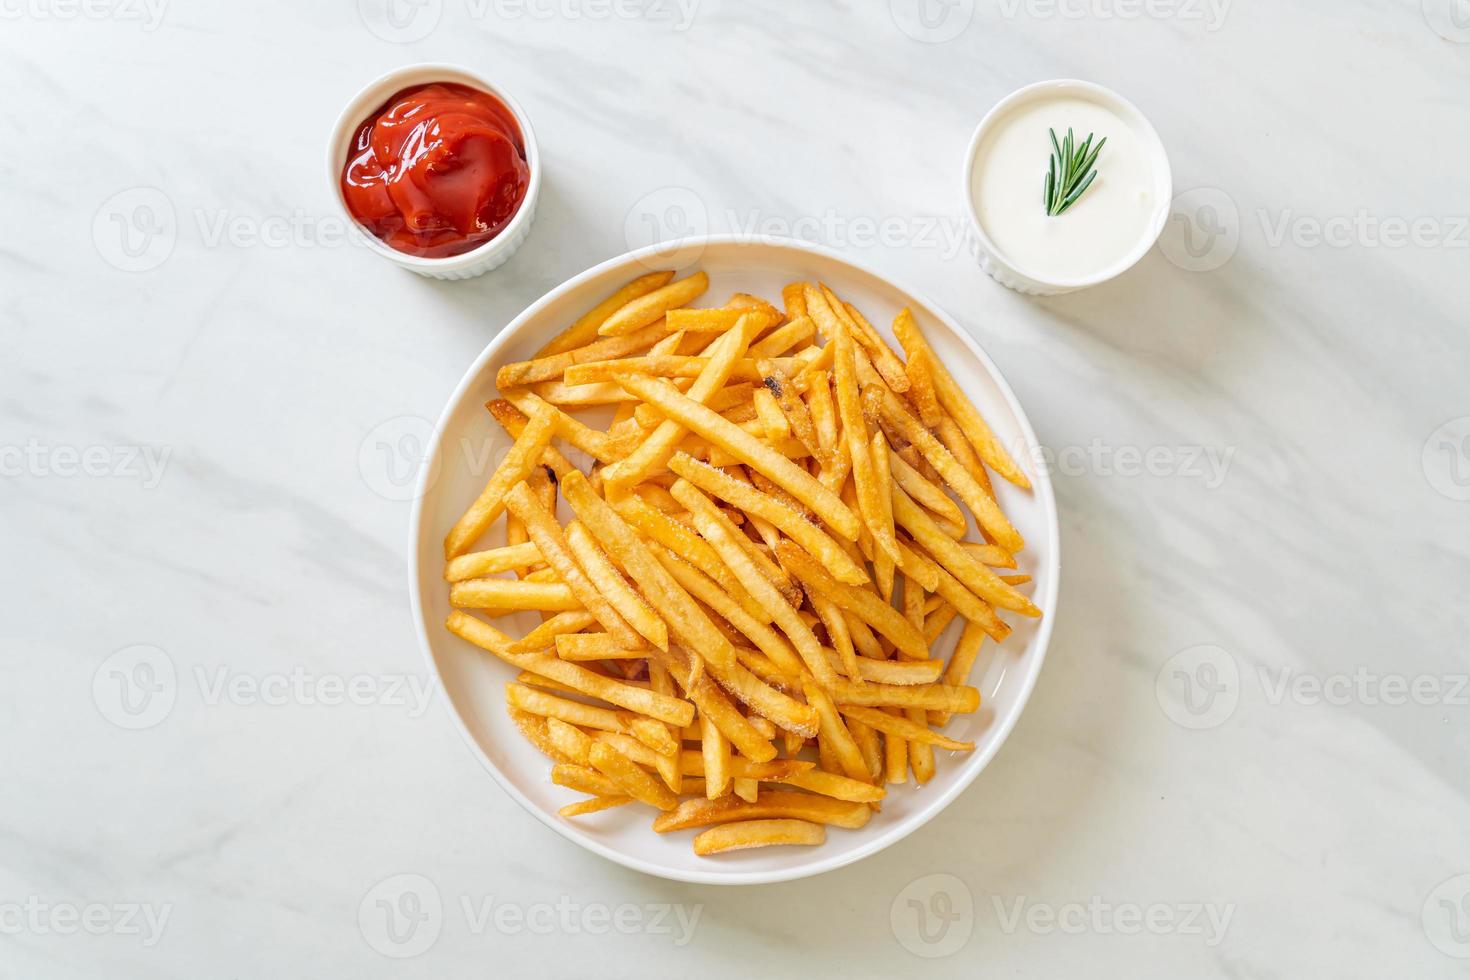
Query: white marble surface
point(236, 517)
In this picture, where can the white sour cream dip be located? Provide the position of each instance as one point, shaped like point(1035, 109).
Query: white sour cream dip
point(1107, 226)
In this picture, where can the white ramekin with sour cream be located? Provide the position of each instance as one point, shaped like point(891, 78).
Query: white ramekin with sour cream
point(1110, 226)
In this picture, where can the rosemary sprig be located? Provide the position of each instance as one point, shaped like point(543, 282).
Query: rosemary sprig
point(1069, 172)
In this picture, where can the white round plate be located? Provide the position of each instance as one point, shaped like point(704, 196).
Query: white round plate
point(468, 444)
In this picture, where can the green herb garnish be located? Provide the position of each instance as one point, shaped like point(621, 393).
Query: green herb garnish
point(1069, 172)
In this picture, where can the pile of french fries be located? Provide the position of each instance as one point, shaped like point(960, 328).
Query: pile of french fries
point(738, 620)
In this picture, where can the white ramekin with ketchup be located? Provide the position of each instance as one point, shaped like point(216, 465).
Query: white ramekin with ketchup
point(438, 168)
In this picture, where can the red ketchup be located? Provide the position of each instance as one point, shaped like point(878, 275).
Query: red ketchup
point(437, 170)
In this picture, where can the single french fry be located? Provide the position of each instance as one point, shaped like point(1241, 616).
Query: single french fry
point(793, 295)
point(548, 536)
point(961, 662)
point(734, 440)
point(989, 554)
point(544, 636)
point(951, 438)
point(584, 330)
point(921, 751)
point(671, 366)
point(911, 730)
point(771, 804)
point(480, 564)
point(654, 735)
point(569, 740)
point(584, 779)
point(544, 683)
point(838, 632)
point(633, 780)
point(506, 594)
point(581, 647)
point(758, 833)
point(632, 748)
point(768, 412)
point(783, 338)
point(901, 672)
point(836, 786)
point(667, 765)
point(767, 507)
point(524, 454)
point(715, 755)
point(938, 621)
point(883, 564)
point(572, 712)
point(650, 307)
point(895, 755)
point(534, 728)
point(685, 620)
point(614, 587)
point(593, 805)
point(722, 318)
point(936, 697)
point(971, 422)
point(921, 388)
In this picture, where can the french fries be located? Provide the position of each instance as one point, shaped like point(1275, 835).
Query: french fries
point(719, 636)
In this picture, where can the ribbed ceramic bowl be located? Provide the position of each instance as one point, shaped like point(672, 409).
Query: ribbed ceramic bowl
point(477, 261)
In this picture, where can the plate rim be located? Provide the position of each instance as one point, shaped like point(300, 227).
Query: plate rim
point(1041, 487)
